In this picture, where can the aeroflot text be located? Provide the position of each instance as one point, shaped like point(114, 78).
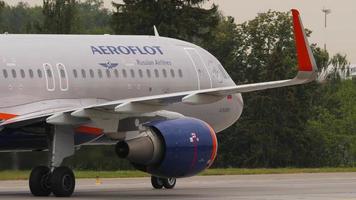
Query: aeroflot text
point(126, 50)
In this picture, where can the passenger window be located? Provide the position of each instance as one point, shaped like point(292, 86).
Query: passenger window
point(148, 73)
point(156, 73)
point(116, 72)
point(39, 73)
point(4, 71)
point(172, 73)
point(180, 73)
point(84, 75)
point(124, 73)
point(62, 73)
point(108, 74)
point(49, 73)
point(91, 72)
point(140, 73)
point(164, 71)
point(75, 73)
point(100, 73)
point(13, 73)
point(22, 72)
point(30, 72)
point(132, 73)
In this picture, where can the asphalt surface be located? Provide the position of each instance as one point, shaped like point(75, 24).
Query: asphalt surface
point(340, 186)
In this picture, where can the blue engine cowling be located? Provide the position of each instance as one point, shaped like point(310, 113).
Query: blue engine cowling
point(172, 148)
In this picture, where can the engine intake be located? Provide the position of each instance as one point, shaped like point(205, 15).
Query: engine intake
point(146, 149)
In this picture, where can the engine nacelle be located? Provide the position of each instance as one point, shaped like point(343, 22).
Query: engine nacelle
point(172, 148)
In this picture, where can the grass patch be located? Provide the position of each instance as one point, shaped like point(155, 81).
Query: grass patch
point(23, 175)
point(110, 174)
point(14, 175)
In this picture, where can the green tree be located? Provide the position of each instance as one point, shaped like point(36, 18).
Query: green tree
point(332, 123)
point(60, 16)
point(182, 19)
point(340, 67)
point(93, 18)
point(271, 131)
point(21, 19)
point(2, 6)
point(322, 58)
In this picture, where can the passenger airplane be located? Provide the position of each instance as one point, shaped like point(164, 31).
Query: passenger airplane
point(161, 101)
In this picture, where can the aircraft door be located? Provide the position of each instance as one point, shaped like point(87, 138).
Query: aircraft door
point(48, 72)
point(200, 67)
point(63, 77)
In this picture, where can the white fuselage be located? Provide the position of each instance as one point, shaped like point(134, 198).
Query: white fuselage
point(39, 72)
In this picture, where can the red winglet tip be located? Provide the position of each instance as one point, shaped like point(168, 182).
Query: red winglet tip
point(295, 12)
point(304, 59)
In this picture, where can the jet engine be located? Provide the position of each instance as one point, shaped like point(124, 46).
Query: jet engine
point(171, 148)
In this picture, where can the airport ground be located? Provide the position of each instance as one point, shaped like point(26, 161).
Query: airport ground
point(315, 186)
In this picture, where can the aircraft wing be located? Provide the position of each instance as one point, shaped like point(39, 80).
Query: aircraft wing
point(307, 72)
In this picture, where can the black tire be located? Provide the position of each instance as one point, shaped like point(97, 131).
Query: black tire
point(62, 182)
point(39, 181)
point(169, 183)
point(156, 182)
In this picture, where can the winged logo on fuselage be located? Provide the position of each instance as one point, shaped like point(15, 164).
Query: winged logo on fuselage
point(109, 65)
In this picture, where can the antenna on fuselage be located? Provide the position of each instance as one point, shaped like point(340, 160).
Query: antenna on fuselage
point(155, 30)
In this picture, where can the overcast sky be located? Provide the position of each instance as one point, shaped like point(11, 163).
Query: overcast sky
point(340, 35)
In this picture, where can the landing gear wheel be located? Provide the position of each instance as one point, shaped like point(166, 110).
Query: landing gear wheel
point(39, 181)
point(62, 182)
point(169, 183)
point(156, 182)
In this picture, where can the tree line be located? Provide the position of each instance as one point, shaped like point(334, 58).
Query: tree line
point(303, 126)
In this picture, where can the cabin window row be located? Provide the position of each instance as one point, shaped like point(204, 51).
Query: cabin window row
point(95, 73)
point(148, 73)
point(21, 73)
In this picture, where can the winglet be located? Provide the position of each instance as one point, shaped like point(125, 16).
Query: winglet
point(305, 56)
point(307, 69)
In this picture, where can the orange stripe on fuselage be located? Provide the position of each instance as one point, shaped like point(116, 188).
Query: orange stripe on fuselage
point(6, 116)
point(89, 130)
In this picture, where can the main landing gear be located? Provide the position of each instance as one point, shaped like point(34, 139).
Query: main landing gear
point(159, 183)
point(55, 179)
point(43, 182)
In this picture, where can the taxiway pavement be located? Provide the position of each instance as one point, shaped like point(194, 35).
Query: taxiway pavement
point(325, 186)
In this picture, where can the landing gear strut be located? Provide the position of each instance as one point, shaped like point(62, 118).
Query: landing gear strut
point(159, 183)
point(57, 179)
